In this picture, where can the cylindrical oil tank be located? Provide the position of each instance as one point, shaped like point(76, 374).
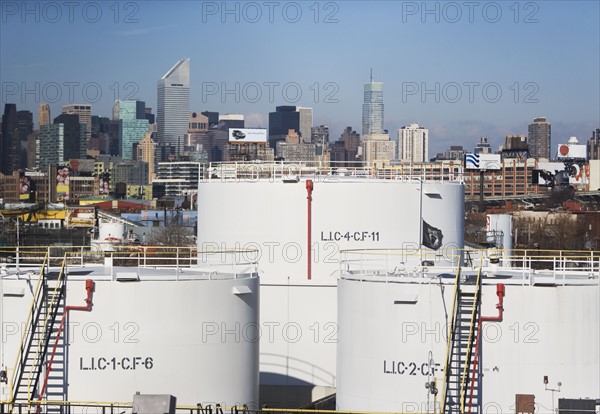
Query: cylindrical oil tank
point(500, 232)
point(192, 333)
point(279, 219)
point(108, 231)
point(276, 216)
point(392, 341)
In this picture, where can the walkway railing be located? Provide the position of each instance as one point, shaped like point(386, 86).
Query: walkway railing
point(329, 171)
point(134, 261)
point(526, 266)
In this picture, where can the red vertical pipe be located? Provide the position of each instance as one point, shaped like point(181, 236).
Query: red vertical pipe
point(309, 190)
point(500, 292)
point(89, 287)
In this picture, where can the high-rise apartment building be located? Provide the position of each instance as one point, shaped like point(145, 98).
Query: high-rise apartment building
point(43, 115)
point(539, 139)
point(74, 144)
point(85, 116)
point(227, 121)
point(213, 119)
point(9, 141)
point(174, 104)
point(25, 128)
point(51, 146)
point(145, 152)
point(284, 118)
point(320, 135)
point(483, 146)
point(593, 145)
point(413, 143)
point(372, 110)
point(306, 123)
point(132, 125)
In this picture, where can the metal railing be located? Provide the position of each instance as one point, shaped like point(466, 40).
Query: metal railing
point(85, 407)
point(526, 266)
point(172, 262)
point(328, 171)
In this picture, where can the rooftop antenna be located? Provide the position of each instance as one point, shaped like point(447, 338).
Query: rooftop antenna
point(371, 74)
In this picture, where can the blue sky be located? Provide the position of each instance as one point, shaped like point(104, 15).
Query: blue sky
point(462, 69)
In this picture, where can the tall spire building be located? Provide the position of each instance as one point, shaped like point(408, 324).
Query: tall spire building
point(174, 105)
point(372, 116)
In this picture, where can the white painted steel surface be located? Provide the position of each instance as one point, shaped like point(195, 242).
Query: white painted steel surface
point(110, 231)
point(388, 333)
point(499, 230)
point(347, 212)
point(194, 338)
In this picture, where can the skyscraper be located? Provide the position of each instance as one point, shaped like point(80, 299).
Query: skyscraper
point(593, 145)
point(539, 139)
point(306, 123)
point(145, 152)
point(74, 133)
point(413, 143)
point(372, 115)
point(228, 121)
point(25, 128)
point(9, 143)
point(132, 125)
point(284, 118)
point(85, 116)
point(52, 145)
point(174, 104)
point(44, 115)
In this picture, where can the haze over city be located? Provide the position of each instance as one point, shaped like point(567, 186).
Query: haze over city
point(462, 69)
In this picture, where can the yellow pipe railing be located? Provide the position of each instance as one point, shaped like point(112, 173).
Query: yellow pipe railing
point(26, 325)
point(39, 351)
point(449, 339)
point(473, 323)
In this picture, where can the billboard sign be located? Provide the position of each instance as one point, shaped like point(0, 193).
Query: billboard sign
point(63, 172)
point(247, 135)
point(571, 151)
point(26, 188)
point(483, 162)
point(104, 185)
point(550, 174)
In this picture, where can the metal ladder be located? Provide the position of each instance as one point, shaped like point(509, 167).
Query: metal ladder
point(459, 376)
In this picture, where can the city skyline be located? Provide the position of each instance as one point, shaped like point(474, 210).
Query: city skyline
point(455, 74)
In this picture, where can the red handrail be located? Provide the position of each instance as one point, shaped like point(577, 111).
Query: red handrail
point(500, 292)
point(309, 190)
point(89, 287)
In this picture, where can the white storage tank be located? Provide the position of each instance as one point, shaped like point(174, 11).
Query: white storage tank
point(110, 232)
point(392, 340)
point(282, 215)
point(192, 332)
point(344, 212)
point(499, 232)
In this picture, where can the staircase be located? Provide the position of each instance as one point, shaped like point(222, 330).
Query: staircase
point(56, 389)
point(44, 316)
point(462, 385)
